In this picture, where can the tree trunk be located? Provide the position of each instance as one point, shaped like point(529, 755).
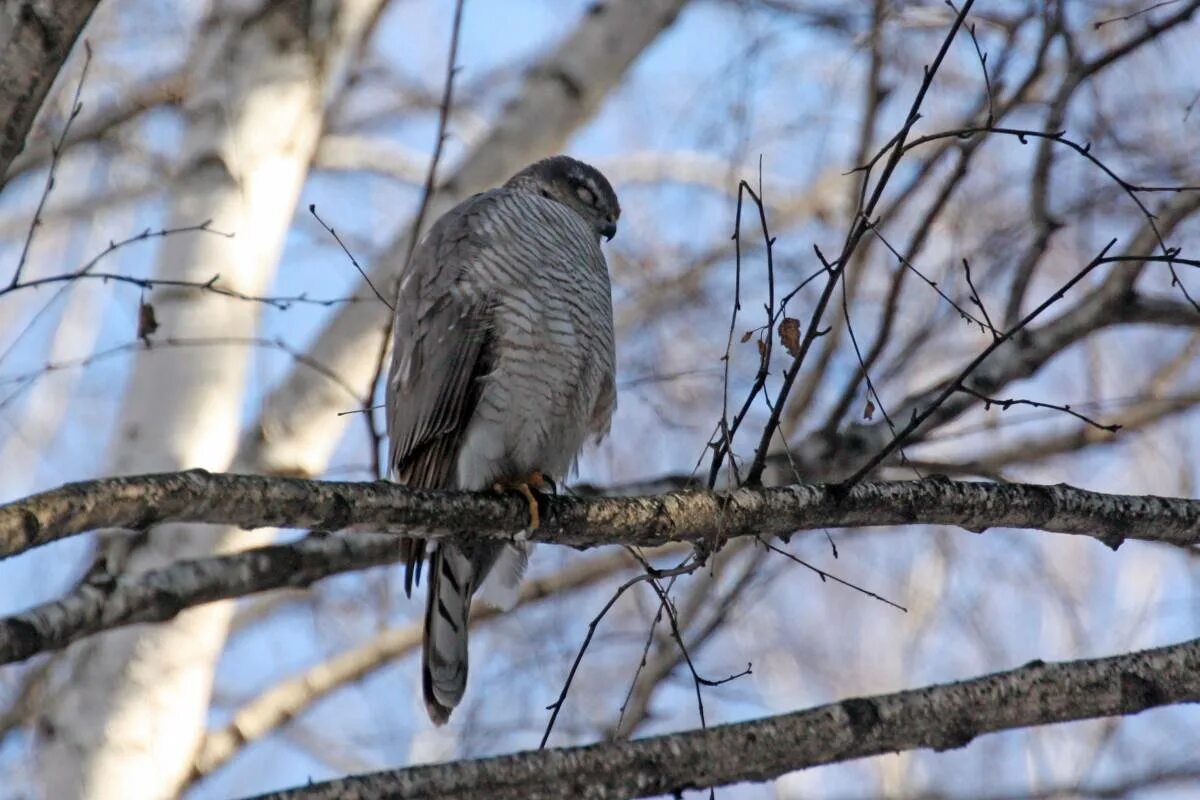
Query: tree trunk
point(132, 707)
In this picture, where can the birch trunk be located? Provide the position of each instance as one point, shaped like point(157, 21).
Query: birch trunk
point(131, 707)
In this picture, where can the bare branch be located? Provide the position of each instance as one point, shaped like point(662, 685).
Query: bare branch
point(104, 602)
point(940, 717)
point(252, 501)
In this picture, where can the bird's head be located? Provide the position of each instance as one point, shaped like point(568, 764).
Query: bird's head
point(578, 186)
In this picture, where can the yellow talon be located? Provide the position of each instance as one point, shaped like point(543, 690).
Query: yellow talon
point(536, 480)
point(535, 517)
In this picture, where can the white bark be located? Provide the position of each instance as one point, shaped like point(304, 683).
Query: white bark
point(128, 718)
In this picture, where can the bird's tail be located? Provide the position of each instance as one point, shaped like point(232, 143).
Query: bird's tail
point(452, 581)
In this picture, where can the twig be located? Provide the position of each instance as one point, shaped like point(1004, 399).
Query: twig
point(956, 384)
point(988, 402)
point(688, 566)
point(1101, 23)
point(823, 575)
point(987, 81)
point(1130, 189)
point(724, 445)
point(854, 236)
point(874, 228)
point(978, 301)
point(56, 151)
point(312, 209)
point(86, 269)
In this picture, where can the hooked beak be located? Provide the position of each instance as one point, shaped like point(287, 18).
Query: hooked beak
point(609, 231)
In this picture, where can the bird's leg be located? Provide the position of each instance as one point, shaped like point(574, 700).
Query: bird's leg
point(534, 482)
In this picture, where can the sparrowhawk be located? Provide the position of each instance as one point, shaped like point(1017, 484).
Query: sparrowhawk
point(502, 367)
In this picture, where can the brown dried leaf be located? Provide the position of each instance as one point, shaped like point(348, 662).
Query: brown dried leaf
point(147, 322)
point(746, 336)
point(789, 335)
point(869, 411)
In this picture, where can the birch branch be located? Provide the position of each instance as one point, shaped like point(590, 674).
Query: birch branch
point(161, 594)
point(941, 717)
point(35, 39)
point(252, 501)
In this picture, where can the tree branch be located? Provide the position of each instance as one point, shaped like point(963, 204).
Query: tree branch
point(252, 501)
point(35, 39)
point(940, 717)
point(105, 602)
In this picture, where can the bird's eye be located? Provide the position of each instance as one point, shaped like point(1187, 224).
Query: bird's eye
point(545, 193)
point(585, 194)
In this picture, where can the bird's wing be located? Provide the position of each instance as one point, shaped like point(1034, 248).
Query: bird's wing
point(606, 404)
point(440, 349)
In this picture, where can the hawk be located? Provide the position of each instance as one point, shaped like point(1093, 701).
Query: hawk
point(502, 368)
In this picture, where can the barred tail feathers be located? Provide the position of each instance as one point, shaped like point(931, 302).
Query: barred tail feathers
point(444, 648)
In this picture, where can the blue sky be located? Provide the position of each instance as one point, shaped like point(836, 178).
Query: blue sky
point(731, 85)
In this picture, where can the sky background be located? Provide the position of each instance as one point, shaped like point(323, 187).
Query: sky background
point(729, 85)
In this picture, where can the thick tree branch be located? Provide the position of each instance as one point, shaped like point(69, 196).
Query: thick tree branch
point(256, 501)
point(35, 38)
point(940, 717)
point(158, 595)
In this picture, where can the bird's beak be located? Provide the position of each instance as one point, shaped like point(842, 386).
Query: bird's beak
point(609, 231)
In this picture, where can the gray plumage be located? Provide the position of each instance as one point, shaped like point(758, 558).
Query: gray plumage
point(502, 364)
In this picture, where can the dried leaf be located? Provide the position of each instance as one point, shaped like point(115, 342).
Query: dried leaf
point(762, 349)
point(147, 322)
point(869, 411)
point(789, 336)
point(746, 336)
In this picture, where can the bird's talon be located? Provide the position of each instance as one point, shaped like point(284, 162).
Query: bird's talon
point(535, 516)
point(528, 489)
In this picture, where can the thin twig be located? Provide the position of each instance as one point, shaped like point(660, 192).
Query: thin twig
point(724, 445)
point(56, 151)
point(688, 566)
point(66, 281)
point(1006, 404)
point(956, 384)
point(312, 209)
point(978, 301)
point(823, 575)
point(853, 237)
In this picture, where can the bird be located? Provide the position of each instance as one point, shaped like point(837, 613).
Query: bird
point(503, 368)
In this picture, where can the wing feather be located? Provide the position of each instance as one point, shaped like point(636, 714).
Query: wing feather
point(441, 347)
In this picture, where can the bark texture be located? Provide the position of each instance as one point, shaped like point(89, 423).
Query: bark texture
point(941, 717)
point(36, 37)
point(252, 501)
point(107, 602)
